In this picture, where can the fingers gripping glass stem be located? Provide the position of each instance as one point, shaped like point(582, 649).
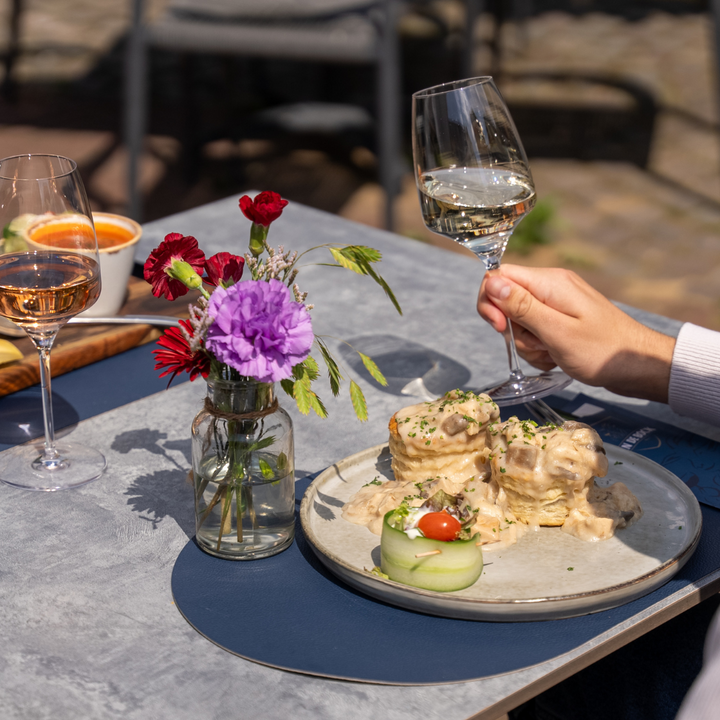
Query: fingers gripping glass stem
point(492, 262)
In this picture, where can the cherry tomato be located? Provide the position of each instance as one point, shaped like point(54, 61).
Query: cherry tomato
point(439, 526)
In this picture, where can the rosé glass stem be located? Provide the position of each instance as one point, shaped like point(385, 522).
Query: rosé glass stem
point(50, 459)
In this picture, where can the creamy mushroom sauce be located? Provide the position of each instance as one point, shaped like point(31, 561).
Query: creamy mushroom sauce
point(515, 474)
point(495, 522)
point(548, 474)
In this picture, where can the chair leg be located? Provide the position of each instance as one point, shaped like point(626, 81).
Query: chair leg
point(136, 103)
point(192, 142)
point(388, 109)
point(715, 9)
point(473, 10)
point(9, 88)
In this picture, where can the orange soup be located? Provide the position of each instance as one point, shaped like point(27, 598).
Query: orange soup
point(75, 235)
point(109, 234)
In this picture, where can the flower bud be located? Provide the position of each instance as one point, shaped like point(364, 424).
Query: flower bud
point(185, 273)
point(258, 235)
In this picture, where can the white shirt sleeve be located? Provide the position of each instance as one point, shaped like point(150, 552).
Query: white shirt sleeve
point(694, 389)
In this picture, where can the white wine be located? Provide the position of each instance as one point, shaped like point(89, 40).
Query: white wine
point(476, 207)
point(46, 287)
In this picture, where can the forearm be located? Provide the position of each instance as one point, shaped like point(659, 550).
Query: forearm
point(642, 366)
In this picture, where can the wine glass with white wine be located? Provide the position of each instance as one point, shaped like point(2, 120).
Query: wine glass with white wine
point(475, 185)
point(49, 272)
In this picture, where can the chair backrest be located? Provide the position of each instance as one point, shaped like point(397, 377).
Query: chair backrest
point(266, 9)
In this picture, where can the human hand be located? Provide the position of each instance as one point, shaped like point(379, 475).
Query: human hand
point(560, 320)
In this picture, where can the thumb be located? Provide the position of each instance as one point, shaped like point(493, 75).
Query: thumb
point(516, 303)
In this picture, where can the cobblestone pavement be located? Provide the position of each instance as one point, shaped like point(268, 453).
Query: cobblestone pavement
point(648, 236)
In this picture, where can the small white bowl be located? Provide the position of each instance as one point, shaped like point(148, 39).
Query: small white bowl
point(116, 264)
point(117, 237)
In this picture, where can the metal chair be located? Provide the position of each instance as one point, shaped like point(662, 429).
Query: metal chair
point(12, 50)
point(337, 31)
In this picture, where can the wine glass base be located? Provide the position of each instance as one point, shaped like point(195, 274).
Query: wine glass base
point(526, 389)
point(76, 465)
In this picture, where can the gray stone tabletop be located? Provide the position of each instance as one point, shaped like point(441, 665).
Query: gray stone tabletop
point(88, 626)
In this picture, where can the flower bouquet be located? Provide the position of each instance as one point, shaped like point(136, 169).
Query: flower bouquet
point(242, 337)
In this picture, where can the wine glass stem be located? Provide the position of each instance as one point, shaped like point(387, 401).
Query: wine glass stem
point(516, 374)
point(492, 262)
point(43, 344)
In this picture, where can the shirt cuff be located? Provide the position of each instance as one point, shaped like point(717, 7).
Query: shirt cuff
point(694, 389)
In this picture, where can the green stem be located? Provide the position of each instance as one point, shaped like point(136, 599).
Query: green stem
point(227, 504)
point(215, 500)
point(239, 513)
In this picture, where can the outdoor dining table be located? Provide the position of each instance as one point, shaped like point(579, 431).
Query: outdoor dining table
point(89, 627)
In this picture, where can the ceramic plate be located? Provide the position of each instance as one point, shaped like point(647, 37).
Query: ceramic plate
point(548, 574)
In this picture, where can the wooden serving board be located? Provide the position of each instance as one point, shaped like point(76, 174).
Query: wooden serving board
point(79, 345)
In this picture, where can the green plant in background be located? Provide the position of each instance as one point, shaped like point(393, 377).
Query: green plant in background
point(535, 229)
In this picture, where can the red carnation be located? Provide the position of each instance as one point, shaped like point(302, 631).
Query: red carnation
point(174, 249)
point(223, 269)
point(174, 354)
point(264, 209)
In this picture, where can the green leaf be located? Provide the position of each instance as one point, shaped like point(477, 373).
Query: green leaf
point(282, 461)
point(347, 261)
point(363, 252)
point(288, 386)
point(312, 368)
point(386, 288)
point(302, 396)
point(372, 368)
point(317, 405)
point(261, 444)
point(355, 258)
point(265, 469)
point(358, 401)
point(333, 370)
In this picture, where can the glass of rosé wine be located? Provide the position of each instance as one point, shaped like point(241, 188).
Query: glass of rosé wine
point(49, 272)
point(475, 185)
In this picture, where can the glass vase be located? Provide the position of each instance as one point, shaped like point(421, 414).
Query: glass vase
point(243, 471)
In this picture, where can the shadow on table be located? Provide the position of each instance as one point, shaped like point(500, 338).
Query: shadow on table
point(409, 367)
point(21, 417)
point(162, 493)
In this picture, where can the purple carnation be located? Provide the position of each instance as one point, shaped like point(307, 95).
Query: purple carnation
point(258, 329)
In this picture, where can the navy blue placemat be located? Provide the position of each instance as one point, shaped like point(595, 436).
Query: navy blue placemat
point(289, 612)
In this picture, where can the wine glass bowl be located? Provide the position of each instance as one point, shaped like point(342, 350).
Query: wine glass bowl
point(475, 185)
point(46, 278)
